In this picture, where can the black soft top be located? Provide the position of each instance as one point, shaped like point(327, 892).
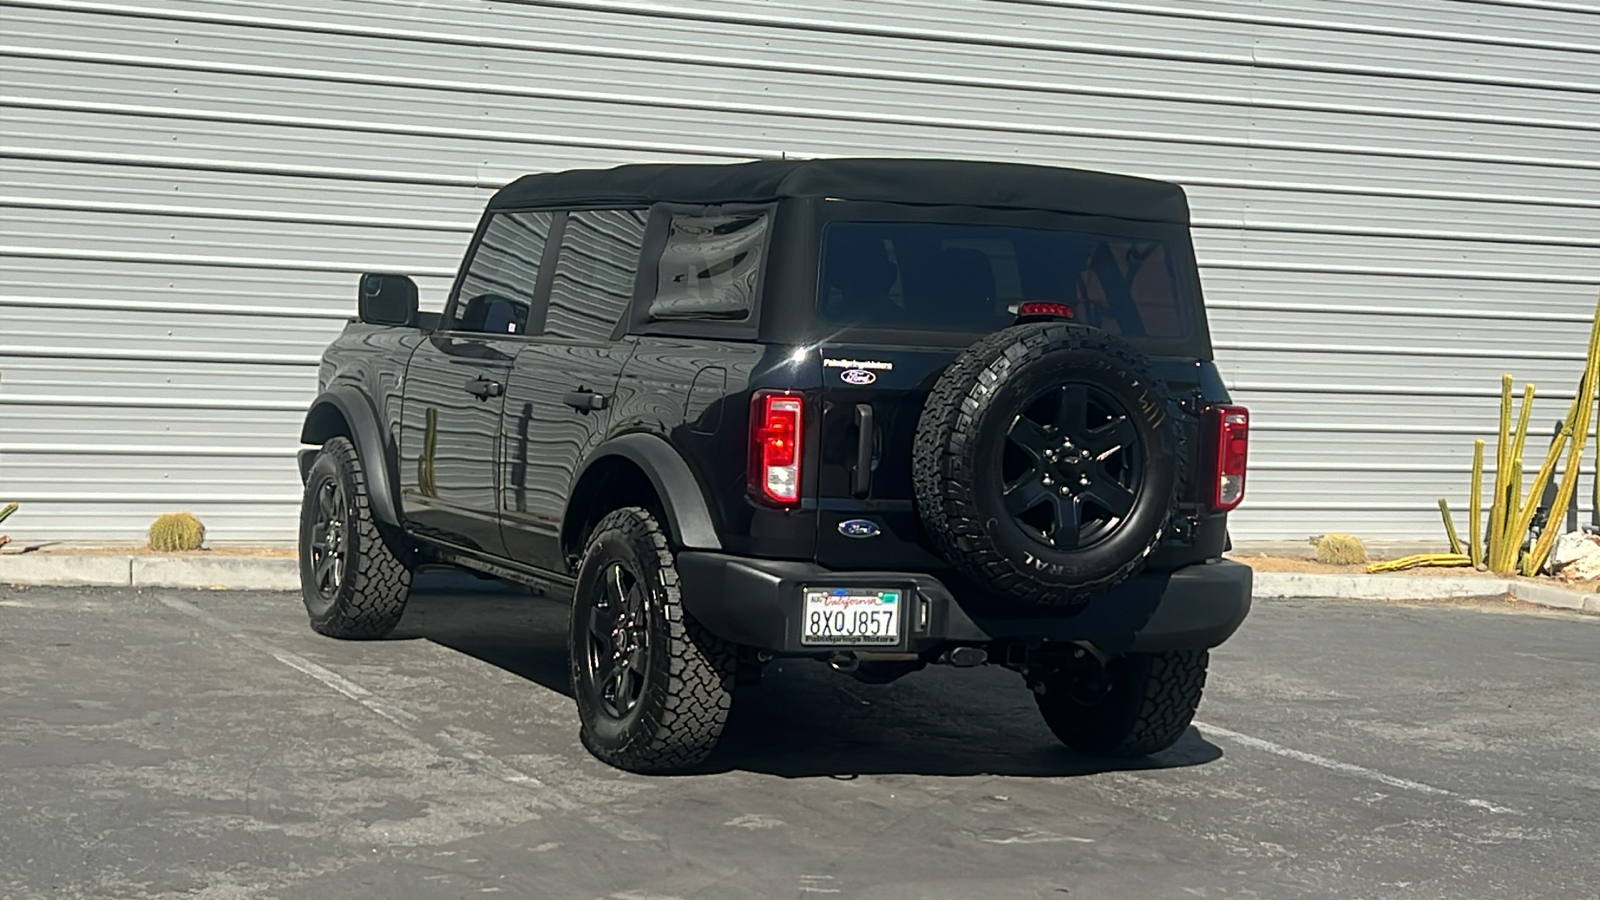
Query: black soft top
point(920, 181)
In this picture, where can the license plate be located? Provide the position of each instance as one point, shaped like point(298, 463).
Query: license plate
point(852, 616)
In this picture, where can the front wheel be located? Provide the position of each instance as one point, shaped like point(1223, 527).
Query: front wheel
point(1141, 704)
point(653, 687)
point(353, 584)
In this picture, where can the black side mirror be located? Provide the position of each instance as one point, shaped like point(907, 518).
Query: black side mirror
point(387, 300)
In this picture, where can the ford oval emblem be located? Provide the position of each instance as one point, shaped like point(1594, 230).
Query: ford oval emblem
point(858, 528)
point(857, 376)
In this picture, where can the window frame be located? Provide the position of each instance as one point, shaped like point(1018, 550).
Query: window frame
point(637, 318)
point(1178, 239)
point(557, 236)
point(541, 286)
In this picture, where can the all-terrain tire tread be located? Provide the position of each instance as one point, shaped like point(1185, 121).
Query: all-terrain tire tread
point(940, 473)
point(1161, 695)
point(694, 706)
point(376, 598)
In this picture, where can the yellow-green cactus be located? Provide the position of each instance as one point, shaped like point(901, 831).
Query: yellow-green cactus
point(176, 532)
point(1340, 549)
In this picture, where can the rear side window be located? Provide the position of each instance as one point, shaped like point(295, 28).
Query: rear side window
point(709, 267)
point(970, 278)
point(497, 290)
point(594, 273)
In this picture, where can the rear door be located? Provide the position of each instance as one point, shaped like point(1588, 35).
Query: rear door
point(563, 385)
point(907, 297)
point(872, 396)
point(455, 386)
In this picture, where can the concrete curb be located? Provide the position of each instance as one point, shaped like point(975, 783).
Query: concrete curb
point(238, 573)
point(234, 573)
point(1283, 585)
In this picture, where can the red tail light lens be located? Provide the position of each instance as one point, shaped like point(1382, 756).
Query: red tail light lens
point(1035, 308)
point(1232, 424)
point(776, 430)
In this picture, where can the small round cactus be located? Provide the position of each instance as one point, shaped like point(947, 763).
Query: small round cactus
point(176, 532)
point(1340, 549)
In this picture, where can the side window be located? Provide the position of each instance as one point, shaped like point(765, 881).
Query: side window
point(497, 291)
point(595, 272)
point(709, 267)
point(1127, 287)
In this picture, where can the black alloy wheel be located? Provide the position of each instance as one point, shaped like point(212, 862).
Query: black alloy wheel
point(653, 687)
point(1047, 464)
point(329, 537)
point(352, 581)
point(618, 653)
point(1072, 466)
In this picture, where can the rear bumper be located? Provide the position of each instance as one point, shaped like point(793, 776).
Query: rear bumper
point(757, 603)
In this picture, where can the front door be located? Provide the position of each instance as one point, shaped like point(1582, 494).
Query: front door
point(455, 387)
point(450, 438)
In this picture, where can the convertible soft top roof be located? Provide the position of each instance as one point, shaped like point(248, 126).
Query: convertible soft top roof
point(920, 181)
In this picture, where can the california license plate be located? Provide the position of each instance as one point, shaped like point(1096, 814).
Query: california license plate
point(853, 616)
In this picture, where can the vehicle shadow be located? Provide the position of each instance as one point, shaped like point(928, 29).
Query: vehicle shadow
point(504, 626)
point(803, 720)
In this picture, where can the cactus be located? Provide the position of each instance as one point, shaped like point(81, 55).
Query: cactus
point(179, 531)
point(1450, 527)
point(1578, 421)
point(1441, 560)
point(1476, 542)
point(1340, 549)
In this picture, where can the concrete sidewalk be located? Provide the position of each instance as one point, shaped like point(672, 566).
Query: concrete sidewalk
point(269, 573)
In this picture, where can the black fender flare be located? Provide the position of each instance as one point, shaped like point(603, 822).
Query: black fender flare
point(682, 499)
point(367, 434)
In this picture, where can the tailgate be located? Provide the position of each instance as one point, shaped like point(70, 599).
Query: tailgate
point(872, 397)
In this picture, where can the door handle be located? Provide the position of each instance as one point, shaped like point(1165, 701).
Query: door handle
point(866, 436)
point(584, 401)
point(484, 388)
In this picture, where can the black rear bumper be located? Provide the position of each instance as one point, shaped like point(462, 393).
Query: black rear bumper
point(757, 603)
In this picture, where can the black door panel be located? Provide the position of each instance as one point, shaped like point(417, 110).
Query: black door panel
point(872, 399)
point(546, 438)
point(449, 436)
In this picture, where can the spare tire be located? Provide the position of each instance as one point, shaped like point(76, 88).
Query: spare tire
point(1047, 463)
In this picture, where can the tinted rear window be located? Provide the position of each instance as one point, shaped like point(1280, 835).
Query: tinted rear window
point(969, 278)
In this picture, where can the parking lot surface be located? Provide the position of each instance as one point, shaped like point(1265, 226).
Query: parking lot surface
point(209, 745)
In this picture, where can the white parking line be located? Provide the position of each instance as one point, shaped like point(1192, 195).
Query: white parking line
point(299, 663)
point(1335, 765)
point(493, 766)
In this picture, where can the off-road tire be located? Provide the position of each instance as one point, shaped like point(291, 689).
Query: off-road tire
point(687, 690)
point(961, 434)
point(1151, 702)
point(371, 596)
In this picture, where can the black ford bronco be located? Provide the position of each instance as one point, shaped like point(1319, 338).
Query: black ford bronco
point(882, 413)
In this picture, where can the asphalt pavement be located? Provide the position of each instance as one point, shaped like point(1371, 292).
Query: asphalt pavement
point(166, 744)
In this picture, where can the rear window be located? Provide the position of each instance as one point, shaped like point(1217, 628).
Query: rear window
point(970, 278)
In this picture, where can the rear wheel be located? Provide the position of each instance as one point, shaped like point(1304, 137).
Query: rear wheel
point(653, 687)
point(353, 584)
point(1140, 704)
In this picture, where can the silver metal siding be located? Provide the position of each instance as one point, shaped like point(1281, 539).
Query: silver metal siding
point(1394, 202)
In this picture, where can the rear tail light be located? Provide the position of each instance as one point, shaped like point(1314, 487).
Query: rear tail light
point(776, 429)
point(1233, 444)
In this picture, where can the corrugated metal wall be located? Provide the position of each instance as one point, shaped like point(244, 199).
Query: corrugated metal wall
point(1396, 201)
